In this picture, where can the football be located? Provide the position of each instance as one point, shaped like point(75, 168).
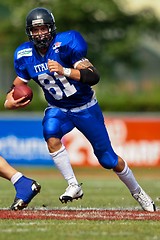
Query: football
point(23, 91)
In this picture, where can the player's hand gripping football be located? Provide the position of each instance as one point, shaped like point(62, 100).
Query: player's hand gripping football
point(11, 103)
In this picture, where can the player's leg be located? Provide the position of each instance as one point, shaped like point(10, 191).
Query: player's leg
point(92, 118)
point(126, 176)
point(6, 170)
point(55, 125)
point(26, 188)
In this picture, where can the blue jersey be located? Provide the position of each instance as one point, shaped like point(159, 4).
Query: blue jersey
point(66, 48)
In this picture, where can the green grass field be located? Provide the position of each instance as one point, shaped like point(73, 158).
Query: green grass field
point(102, 189)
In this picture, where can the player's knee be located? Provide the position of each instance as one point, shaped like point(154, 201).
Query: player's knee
point(108, 160)
point(51, 129)
point(108, 164)
point(54, 144)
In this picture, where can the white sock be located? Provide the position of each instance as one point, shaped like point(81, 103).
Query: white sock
point(62, 162)
point(128, 179)
point(16, 177)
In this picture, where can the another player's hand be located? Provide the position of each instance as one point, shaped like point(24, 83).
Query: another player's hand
point(54, 66)
point(11, 103)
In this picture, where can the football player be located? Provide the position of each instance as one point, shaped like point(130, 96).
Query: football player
point(58, 63)
point(26, 188)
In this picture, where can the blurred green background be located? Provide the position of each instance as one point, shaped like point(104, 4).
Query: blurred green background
point(123, 39)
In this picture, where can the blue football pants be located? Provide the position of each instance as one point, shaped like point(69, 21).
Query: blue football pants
point(90, 122)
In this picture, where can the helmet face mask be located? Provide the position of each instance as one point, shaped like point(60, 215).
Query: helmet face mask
point(43, 19)
point(40, 39)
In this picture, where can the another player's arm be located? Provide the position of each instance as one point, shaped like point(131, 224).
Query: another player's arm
point(10, 102)
point(83, 71)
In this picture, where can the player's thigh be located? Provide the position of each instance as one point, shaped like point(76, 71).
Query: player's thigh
point(91, 123)
point(56, 124)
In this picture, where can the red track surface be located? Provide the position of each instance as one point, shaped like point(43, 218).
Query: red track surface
point(84, 214)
